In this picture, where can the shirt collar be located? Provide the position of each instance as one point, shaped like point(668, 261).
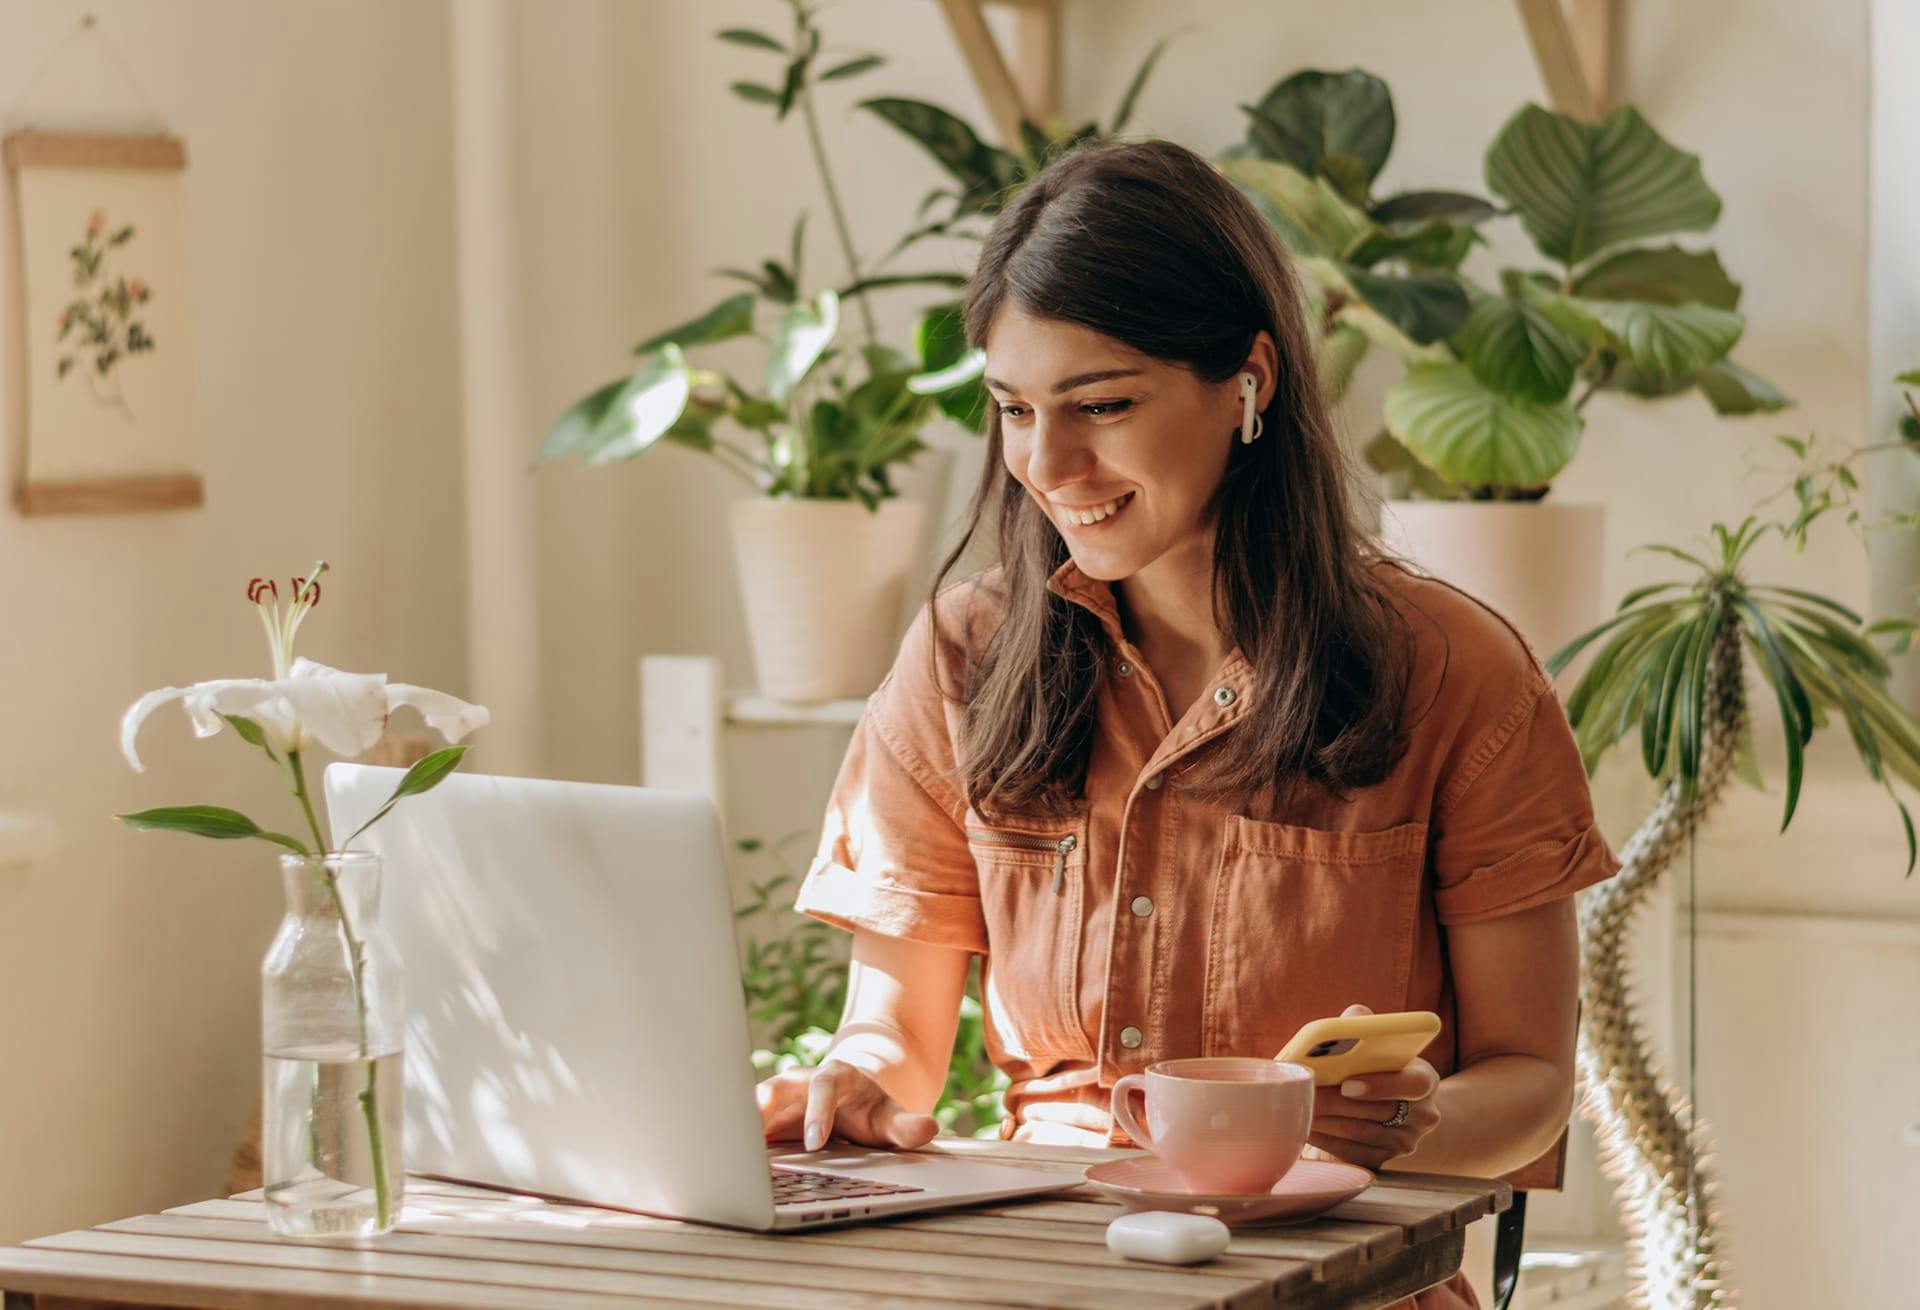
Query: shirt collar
point(1069, 583)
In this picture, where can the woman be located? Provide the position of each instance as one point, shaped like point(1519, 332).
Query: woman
point(1195, 763)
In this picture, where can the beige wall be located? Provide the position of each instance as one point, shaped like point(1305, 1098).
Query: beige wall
point(324, 390)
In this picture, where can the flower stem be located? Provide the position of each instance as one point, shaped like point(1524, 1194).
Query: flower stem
point(369, 1099)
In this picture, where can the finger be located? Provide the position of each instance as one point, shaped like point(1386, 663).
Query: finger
point(1093, 1118)
point(824, 1093)
point(1355, 1008)
point(1052, 1134)
point(1368, 1132)
point(907, 1130)
point(1416, 1082)
point(781, 1100)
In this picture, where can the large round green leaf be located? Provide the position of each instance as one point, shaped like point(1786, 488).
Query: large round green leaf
point(1312, 114)
point(1428, 307)
point(1472, 435)
point(1731, 389)
point(1671, 339)
point(1513, 348)
point(1582, 187)
point(1667, 276)
point(1309, 215)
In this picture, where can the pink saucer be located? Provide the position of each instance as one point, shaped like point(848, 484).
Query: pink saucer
point(1311, 1187)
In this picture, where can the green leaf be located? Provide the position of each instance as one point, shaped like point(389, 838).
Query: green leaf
point(1731, 389)
point(1340, 354)
point(1125, 109)
point(949, 368)
point(1309, 215)
point(1582, 187)
point(1796, 715)
point(1419, 207)
point(807, 330)
point(984, 172)
point(886, 280)
point(1428, 307)
point(1665, 276)
point(426, 774)
point(1371, 324)
point(755, 93)
point(1668, 339)
point(852, 68)
point(1438, 244)
point(625, 417)
point(213, 821)
point(1312, 114)
point(1516, 350)
point(732, 317)
point(1472, 435)
point(749, 37)
point(250, 732)
point(1910, 378)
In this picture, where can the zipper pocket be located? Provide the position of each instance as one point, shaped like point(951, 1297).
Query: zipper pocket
point(1060, 846)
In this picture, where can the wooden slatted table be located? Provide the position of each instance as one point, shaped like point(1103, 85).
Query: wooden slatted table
point(463, 1246)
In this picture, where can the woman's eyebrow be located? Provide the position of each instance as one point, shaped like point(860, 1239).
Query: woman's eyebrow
point(1077, 380)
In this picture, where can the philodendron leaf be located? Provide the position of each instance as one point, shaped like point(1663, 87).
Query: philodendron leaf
point(1472, 435)
point(730, 318)
point(1437, 244)
point(1513, 348)
point(985, 172)
point(1312, 114)
point(1667, 275)
point(1731, 389)
point(1429, 307)
point(1311, 216)
point(1670, 339)
point(627, 415)
point(1371, 324)
point(1582, 187)
point(213, 821)
point(1340, 354)
point(806, 332)
point(1413, 207)
point(426, 774)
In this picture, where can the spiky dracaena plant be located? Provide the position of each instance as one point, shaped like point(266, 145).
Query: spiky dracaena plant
point(1671, 666)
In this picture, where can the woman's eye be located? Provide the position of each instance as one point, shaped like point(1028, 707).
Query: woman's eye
point(1101, 408)
point(1009, 411)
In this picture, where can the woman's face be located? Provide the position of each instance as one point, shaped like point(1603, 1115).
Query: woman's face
point(1120, 450)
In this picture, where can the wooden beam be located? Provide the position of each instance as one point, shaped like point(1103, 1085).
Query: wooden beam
point(1596, 40)
point(111, 495)
point(1554, 50)
point(989, 69)
point(1037, 59)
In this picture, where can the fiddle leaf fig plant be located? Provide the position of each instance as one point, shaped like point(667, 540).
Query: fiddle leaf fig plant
point(822, 420)
point(1497, 376)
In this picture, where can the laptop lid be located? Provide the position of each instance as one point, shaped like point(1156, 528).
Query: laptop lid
point(575, 1020)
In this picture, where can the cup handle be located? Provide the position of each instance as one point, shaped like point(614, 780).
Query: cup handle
point(1123, 1107)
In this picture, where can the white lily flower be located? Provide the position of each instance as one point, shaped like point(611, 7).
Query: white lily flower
point(345, 712)
point(304, 702)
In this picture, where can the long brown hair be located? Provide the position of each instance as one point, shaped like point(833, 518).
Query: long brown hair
point(1147, 243)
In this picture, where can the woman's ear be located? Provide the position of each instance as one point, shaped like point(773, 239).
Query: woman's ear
point(1263, 361)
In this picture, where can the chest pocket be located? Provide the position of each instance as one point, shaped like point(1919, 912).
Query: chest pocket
point(1032, 894)
point(1306, 922)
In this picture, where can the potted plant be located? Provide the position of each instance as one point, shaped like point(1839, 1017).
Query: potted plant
point(825, 549)
point(1497, 377)
point(1670, 669)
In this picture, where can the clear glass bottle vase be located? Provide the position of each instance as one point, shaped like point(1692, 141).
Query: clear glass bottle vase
point(332, 1038)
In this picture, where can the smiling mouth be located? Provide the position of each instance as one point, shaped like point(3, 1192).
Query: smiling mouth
point(1086, 518)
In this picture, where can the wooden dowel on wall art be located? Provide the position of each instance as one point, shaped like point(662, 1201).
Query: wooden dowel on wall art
point(111, 495)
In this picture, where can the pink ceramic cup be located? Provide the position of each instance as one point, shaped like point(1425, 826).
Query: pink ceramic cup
point(1229, 1126)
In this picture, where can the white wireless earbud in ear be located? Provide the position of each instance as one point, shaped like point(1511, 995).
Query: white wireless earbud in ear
point(1251, 424)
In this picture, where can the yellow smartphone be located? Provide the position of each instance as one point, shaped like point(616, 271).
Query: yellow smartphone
point(1339, 1049)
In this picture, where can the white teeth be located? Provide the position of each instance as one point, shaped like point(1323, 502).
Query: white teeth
point(1090, 516)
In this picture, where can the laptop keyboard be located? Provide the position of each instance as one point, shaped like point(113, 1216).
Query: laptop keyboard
point(793, 1186)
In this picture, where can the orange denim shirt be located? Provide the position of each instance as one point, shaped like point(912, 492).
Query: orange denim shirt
point(1153, 924)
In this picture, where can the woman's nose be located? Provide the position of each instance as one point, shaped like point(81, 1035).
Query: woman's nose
point(1055, 456)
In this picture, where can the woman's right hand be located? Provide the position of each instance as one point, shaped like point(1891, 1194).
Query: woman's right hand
point(834, 1098)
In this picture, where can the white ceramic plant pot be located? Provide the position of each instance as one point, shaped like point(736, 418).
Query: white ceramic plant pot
point(823, 582)
point(1537, 562)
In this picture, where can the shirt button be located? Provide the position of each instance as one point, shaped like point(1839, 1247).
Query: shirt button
point(1130, 1037)
point(1126, 669)
point(1153, 783)
point(1143, 906)
point(1224, 696)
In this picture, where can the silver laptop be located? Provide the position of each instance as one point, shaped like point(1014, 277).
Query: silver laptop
point(576, 1023)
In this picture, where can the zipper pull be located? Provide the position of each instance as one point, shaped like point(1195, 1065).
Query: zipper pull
point(1060, 850)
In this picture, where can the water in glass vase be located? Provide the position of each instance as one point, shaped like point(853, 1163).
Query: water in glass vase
point(319, 1146)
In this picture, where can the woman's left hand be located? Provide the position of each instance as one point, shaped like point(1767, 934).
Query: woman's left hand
point(1349, 1121)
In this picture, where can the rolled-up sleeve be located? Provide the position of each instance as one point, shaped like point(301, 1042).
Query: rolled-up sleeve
point(893, 857)
point(1516, 829)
